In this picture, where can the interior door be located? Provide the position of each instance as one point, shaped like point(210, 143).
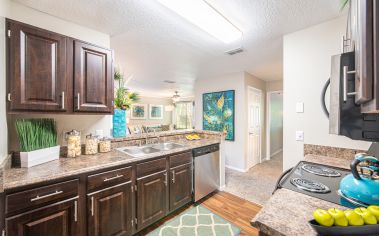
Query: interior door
point(254, 127)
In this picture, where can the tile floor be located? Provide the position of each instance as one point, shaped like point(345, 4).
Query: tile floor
point(257, 184)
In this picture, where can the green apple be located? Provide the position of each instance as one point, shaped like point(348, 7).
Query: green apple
point(323, 217)
point(353, 218)
point(374, 210)
point(367, 216)
point(339, 217)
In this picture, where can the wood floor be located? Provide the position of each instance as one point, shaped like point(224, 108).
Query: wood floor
point(232, 208)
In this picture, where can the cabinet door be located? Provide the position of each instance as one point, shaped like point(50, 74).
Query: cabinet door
point(37, 69)
point(93, 81)
point(180, 186)
point(58, 219)
point(151, 198)
point(110, 211)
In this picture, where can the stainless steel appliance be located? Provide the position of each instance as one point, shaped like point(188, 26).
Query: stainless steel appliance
point(316, 180)
point(345, 116)
point(207, 170)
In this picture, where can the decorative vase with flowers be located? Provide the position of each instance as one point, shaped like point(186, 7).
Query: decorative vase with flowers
point(123, 99)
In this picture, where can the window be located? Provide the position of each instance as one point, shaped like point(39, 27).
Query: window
point(183, 115)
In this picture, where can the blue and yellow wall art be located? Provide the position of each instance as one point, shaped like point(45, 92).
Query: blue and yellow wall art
point(218, 112)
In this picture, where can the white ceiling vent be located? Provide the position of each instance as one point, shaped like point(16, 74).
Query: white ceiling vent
point(234, 51)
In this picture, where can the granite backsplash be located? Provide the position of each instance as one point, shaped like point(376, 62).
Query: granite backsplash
point(336, 152)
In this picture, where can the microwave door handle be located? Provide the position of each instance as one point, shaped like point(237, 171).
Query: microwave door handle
point(323, 94)
point(346, 72)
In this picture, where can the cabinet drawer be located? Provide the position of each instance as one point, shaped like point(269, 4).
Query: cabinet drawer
point(109, 178)
point(40, 196)
point(151, 167)
point(180, 159)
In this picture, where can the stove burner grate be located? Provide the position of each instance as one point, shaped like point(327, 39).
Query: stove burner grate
point(309, 185)
point(320, 170)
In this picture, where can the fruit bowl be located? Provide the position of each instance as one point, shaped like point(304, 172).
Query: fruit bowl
point(364, 230)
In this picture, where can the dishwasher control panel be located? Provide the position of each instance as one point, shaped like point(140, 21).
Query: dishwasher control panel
point(205, 150)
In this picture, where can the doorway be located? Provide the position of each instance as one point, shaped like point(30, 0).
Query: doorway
point(255, 100)
point(274, 129)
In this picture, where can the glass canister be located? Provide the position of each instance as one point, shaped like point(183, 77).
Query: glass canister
point(74, 146)
point(92, 142)
point(105, 145)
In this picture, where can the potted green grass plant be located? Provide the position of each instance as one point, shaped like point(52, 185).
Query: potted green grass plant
point(38, 141)
point(123, 100)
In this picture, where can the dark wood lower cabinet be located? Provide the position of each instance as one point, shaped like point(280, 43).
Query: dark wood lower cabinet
point(59, 219)
point(110, 211)
point(151, 198)
point(180, 186)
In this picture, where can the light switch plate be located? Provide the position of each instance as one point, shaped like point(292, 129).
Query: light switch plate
point(300, 107)
point(299, 135)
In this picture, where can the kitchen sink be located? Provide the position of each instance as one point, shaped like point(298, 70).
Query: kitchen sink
point(139, 151)
point(167, 146)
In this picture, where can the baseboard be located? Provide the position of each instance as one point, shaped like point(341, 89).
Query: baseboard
point(276, 152)
point(237, 169)
point(222, 188)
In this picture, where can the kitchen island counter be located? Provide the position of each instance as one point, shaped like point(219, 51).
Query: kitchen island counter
point(288, 212)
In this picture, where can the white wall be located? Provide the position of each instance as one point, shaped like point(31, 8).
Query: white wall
point(276, 122)
point(86, 123)
point(307, 55)
point(234, 151)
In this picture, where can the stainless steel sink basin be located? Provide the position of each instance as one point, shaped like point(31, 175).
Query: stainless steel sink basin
point(167, 146)
point(138, 151)
point(135, 151)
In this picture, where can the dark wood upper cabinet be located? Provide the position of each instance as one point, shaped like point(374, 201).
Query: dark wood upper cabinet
point(180, 186)
point(151, 198)
point(49, 72)
point(110, 211)
point(37, 69)
point(58, 219)
point(93, 78)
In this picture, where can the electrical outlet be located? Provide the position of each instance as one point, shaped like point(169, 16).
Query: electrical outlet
point(299, 135)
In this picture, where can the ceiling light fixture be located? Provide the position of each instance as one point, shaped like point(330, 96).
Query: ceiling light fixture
point(176, 97)
point(203, 15)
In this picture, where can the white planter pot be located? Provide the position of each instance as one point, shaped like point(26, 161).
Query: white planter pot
point(33, 158)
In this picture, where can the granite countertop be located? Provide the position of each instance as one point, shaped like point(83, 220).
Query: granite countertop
point(64, 167)
point(288, 212)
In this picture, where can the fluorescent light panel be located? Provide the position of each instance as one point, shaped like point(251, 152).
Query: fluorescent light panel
point(201, 14)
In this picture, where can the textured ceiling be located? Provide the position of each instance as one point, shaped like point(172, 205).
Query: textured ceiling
point(153, 44)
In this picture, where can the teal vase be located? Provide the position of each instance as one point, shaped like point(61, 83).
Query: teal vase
point(119, 123)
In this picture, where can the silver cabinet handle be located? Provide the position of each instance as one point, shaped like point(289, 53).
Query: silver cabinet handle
point(76, 211)
point(46, 196)
point(92, 206)
point(78, 101)
point(165, 179)
point(173, 176)
point(345, 92)
point(112, 178)
point(9, 97)
point(63, 99)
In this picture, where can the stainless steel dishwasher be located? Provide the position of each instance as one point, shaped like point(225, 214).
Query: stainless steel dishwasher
point(207, 170)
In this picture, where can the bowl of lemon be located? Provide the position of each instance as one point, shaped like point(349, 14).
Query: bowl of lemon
point(353, 222)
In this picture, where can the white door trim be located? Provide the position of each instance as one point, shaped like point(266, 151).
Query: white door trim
point(262, 119)
point(268, 123)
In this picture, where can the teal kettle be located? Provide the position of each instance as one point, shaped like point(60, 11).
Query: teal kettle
point(362, 185)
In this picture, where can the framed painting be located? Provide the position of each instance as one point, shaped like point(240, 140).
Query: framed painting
point(138, 112)
point(156, 112)
point(218, 112)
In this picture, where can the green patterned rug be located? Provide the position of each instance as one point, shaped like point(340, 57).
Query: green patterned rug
point(197, 221)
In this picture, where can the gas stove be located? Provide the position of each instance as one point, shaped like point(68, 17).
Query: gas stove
point(316, 180)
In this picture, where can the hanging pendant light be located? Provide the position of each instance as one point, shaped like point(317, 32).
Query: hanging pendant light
point(176, 97)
